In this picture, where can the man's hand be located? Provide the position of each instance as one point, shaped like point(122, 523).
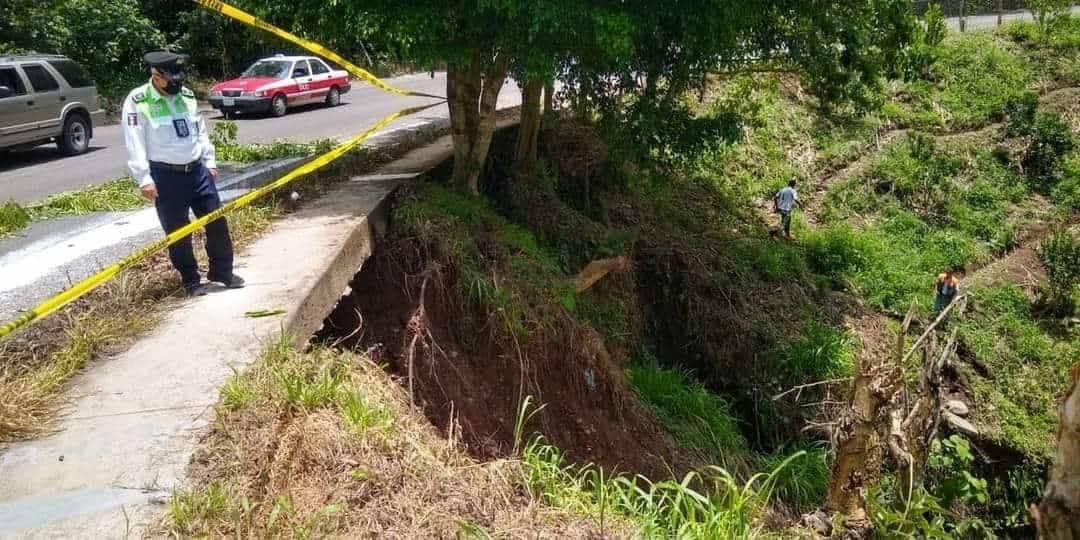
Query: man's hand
point(213, 174)
point(149, 191)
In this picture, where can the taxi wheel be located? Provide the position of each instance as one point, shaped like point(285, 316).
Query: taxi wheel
point(278, 106)
point(333, 98)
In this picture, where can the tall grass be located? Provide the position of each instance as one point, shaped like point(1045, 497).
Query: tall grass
point(821, 352)
point(705, 504)
point(698, 419)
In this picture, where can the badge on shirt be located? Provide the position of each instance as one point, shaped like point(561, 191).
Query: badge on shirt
point(180, 124)
point(133, 119)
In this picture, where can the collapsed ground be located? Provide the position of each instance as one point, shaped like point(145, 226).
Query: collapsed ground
point(682, 358)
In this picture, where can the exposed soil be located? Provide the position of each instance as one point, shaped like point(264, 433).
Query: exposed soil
point(472, 378)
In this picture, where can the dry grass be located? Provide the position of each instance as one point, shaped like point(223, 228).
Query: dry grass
point(324, 444)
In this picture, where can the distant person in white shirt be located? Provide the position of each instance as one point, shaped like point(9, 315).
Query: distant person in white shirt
point(171, 157)
point(785, 201)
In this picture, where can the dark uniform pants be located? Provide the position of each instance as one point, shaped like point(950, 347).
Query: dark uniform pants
point(195, 190)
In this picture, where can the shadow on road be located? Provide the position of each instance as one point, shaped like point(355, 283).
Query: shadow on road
point(36, 156)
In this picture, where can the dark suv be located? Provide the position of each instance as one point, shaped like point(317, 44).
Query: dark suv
point(46, 98)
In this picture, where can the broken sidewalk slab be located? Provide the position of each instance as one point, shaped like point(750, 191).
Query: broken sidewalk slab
point(135, 419)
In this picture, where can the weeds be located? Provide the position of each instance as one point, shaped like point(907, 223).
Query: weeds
point(120, 194)
point(1060, 255)
point(13, 218)
point(38, 362)
point(698, 419)
point(362, 414)
point(1020, 367)
point(224, 138)
point(820, 353)
point(706, 504)
point(804, 480)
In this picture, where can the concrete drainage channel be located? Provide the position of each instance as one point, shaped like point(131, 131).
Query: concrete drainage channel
point(135, 420)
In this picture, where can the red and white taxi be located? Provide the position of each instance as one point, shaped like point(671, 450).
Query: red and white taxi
point(277, 83)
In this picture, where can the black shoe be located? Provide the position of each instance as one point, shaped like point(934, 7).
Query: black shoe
point(232, 282)
point(195, 290)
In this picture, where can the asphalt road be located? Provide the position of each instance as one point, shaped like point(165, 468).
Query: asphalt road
point(33, 175)
point(983, 22)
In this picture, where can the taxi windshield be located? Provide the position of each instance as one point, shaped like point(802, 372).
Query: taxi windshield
point(277, 69)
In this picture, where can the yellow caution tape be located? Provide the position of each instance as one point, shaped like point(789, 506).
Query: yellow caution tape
point(251, 20)
point(79, 289)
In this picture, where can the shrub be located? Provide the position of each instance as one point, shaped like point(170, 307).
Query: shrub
point(1049, 13)
point(1060, 254)
point(1051, 140)
point(835, 251)
point(1067, 192)
point(1021, 112)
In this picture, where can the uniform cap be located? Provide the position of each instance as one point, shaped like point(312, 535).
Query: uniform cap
point(166, 60)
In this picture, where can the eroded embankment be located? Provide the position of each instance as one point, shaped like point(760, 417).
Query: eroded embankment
point(456, 320)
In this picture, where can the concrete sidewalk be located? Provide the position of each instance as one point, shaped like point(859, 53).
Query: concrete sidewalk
point(135, 418)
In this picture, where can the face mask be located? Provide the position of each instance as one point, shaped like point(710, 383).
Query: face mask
point(174, 81)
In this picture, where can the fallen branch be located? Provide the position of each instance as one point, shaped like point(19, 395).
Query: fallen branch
point(944, 313)
point(802, 387)
point(596, 271)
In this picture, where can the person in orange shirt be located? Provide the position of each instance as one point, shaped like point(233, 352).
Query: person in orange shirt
point(947, 287)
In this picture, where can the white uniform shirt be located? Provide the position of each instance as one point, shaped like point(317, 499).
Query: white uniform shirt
point(150, 131)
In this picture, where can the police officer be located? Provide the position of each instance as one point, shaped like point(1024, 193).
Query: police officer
point(171, 157)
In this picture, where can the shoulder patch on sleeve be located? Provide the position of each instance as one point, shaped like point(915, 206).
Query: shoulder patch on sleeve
point(138, 97)
point(187, 93)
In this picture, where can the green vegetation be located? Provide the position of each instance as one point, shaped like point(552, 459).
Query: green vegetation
point(821, 352)
point(224, 138)
point(13, 218)
point(116, 195)
point(1060, 255)
point(109, 38)
point(969, 85)
point(922, 208)
point(709, 504)
point(698, 419)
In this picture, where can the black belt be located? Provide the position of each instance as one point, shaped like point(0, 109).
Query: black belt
point(185, 168)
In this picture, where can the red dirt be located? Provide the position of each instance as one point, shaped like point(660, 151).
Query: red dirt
point(590, 411)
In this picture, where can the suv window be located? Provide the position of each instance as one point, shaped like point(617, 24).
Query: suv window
point(317, 67)
point(40, 80)
point(76, 76)
point(11, 79)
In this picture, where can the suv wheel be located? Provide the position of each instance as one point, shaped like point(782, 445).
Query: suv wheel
point(333, 98)
point(76, 136)
point(278, 106)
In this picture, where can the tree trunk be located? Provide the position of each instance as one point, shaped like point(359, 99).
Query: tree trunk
point(858, 456)
point(1058, 515)
point(472, 94)
point(529, 131)
point(549, 98)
